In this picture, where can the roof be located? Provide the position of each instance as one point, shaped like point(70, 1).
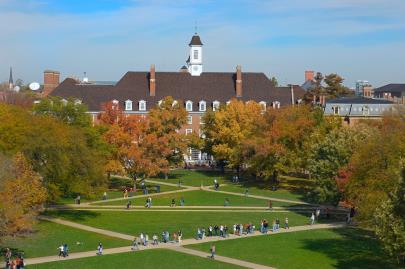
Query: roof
point(358, 100)
point(195, 41)
point(181, 86)
point(391, 88)
point(308, 85)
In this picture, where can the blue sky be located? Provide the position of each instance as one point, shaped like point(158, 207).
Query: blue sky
point(359, 39)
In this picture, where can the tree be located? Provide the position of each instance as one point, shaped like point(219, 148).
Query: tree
point(146, 146)
point(278, 147)
point(226, 130)
point(65, 157)
point(274, 82)
point(68, 111)
point(22, 196)
point(334, 87)
point(390, 221)
point(329, 155)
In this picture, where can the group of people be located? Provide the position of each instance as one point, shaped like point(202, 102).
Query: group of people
point(181, 202)
point(63, 250)
point(143, 239)
point(17, 263)
point(264, 225)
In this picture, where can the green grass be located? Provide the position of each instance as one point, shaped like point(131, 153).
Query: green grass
point(321, 249)
point(134, 222)
point(156, 259)
point(47, 236)
point(118, 194)
point(200, 198)
point(194, 178)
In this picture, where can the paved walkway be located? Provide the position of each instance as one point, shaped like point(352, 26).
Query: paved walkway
point(222, 258)
point(171, 246)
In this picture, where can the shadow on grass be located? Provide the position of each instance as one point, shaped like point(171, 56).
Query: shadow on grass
point(356, 249)
point(72, 215)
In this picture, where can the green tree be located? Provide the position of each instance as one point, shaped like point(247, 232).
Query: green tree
point(334, 87)
point(274, 82)
point(390, 221)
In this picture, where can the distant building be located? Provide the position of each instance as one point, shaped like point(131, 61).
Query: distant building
point(364, 88)
point(309, 82)
point(353, 109)
point(391, 92)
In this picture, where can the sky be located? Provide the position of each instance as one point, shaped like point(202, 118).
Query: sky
point(358, 39)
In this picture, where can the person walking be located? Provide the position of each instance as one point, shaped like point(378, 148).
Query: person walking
point(105, 196)
point(286, 226)
point(270, 205)
point(128, 204)
point(78, 199)
point(312, 219)
point(226, 203)
point(134, 245)
point(100, 249)
point(155, 240)
point(182, 201)
point(173, 204)
point(212, 251)
point(60, 248)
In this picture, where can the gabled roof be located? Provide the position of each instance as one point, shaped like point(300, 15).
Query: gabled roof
point(195, 41)
point(391, 88)
point(308, 85)
point(181, 86)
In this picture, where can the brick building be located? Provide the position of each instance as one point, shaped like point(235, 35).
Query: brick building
point(198, 91)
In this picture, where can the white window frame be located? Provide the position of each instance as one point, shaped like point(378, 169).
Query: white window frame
point(216, 105)
point(366, 111)
point(142, 105)
point(115, 102)
point(195, 54)
point(189, 103)
point(128, 105)
point(336, 110)
point(276, 104)
point(189, 131)
point(263, 106)
point(202, 120)
point(189, 119)
point(202, 106)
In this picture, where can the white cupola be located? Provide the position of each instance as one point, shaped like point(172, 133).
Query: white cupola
point(194, 61)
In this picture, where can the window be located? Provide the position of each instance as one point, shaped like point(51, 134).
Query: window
point(335, 110)
point(263, 105)
point(78, 102)
point(203, 106)
point(189, 131)
point(189, 119)
point(189, 106)
point(195, 54)
point(142, 105)
point(128, 105)
point(276, 104)
point(115, 102)
point(160, 103)
point(366, 111)
point(202, 120)
point(215, 105)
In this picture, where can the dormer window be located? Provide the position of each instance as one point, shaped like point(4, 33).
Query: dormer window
point(189, 106)
point(142, 105)
point(195, 54)
point(203, 106)
point(263, 105)
point(215, 105)
point(228, 102)
point(276, 104)
point(336, 110)
point(78, 102)
point(128, 105)
point(366, 111)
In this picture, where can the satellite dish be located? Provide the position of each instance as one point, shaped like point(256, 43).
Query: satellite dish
point(34, 86)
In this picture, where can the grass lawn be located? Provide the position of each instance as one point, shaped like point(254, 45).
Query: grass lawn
point(321, 249)
point(200, 198)
point(48, 236)
point(119, 194)
point(156, 259)
point(195, 178)
point(134, 222)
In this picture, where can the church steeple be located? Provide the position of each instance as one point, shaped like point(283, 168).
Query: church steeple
point(10, 80)
point(194, 61)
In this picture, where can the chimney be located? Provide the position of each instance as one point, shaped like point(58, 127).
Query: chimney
point(238, 81)
point(309, 75)
point(51, 81)
point(152, 81)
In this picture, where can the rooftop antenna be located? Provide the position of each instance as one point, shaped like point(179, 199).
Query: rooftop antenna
point(195, 27)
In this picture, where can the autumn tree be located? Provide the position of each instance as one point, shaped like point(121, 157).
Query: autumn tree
point(22, 196)
point(63, 155)
point(146, 146)
point(228, 128)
